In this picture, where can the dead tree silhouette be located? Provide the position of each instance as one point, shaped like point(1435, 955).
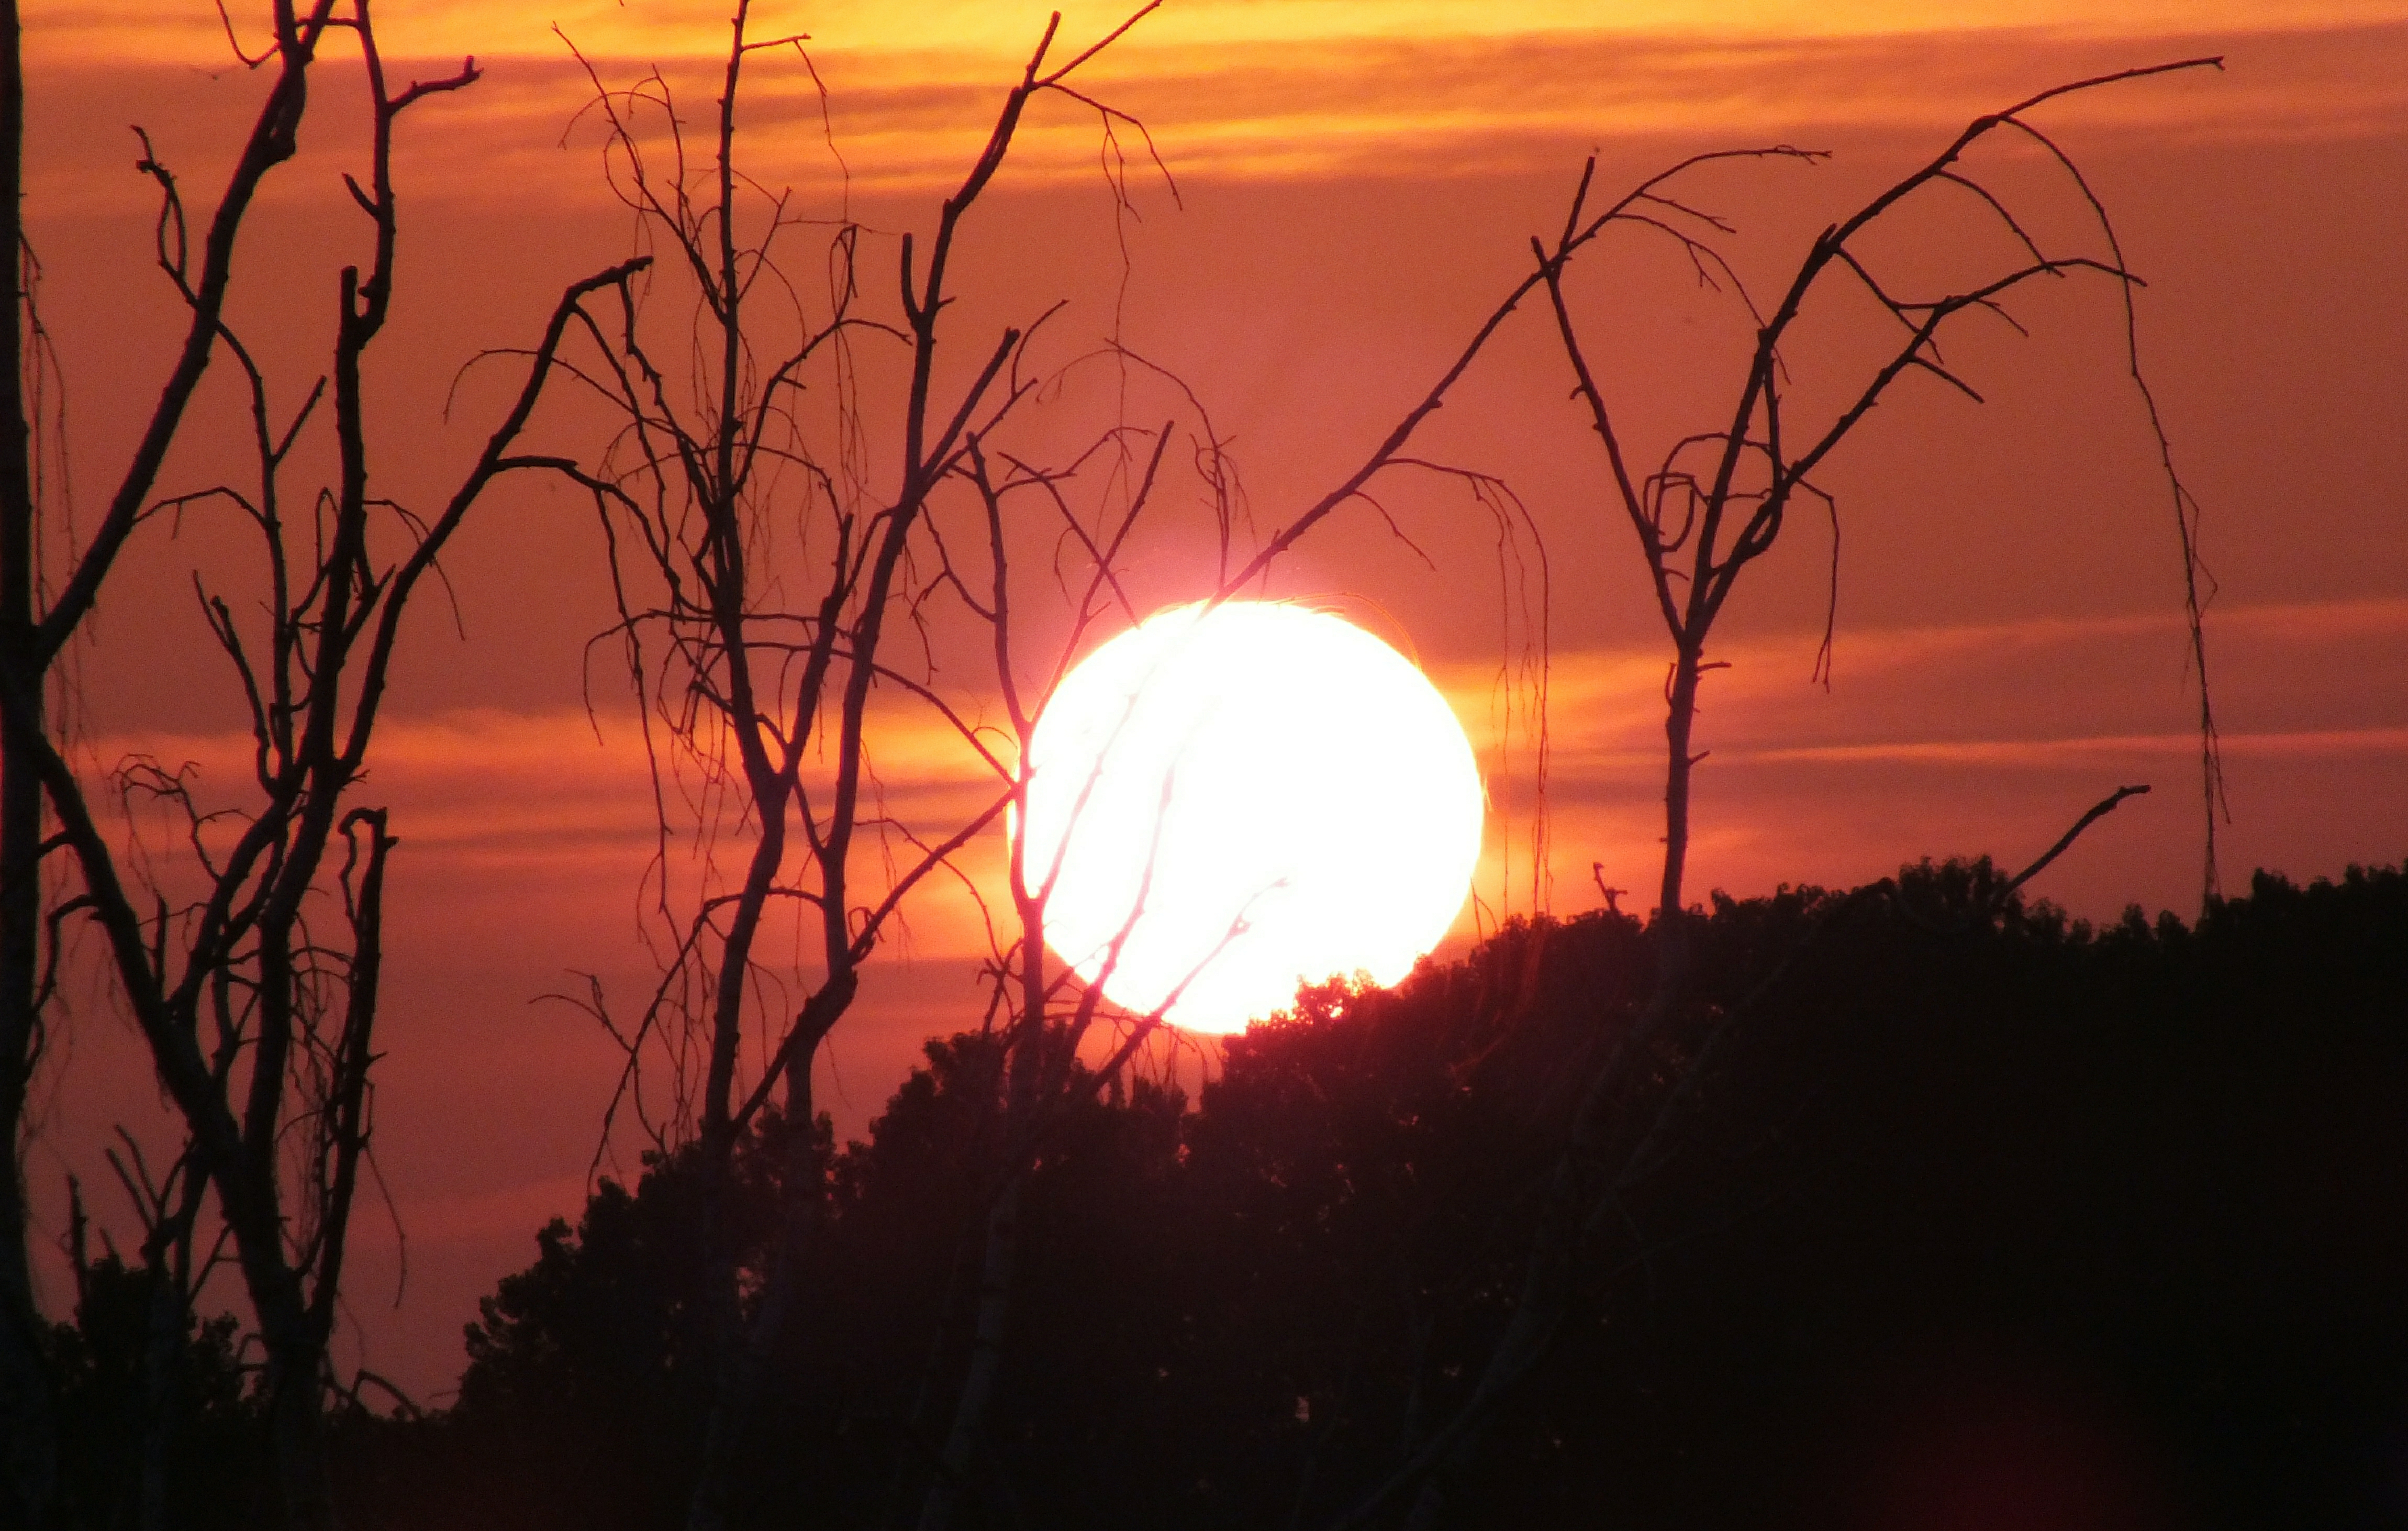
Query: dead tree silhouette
point(1719, 516)
point(767, 700)
point(260, 1019)
point(1717, 501)
point(1042, 1012)
point(745, 691)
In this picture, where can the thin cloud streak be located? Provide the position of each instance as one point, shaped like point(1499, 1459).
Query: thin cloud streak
point(2054, 752)
point(1991, 731)
point(988, 32)
point(1248, 92)
point(1414, 106)
point(536, 804)
point(501, 789)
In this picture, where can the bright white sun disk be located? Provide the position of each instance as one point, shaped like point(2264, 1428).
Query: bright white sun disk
point(1244, 798)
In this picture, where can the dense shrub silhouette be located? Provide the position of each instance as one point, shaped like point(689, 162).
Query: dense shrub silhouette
point(100, 1363)
point(1976, 1216)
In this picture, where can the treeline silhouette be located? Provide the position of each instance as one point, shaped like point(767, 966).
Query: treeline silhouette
point(1981, 1217)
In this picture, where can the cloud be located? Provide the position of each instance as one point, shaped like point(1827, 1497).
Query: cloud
point(522, 812)
point(1255, 90)
point(991, 33)
point(1983, 734)
point(2054, 753)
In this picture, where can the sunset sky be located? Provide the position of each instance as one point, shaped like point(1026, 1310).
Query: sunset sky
point(1356, 184)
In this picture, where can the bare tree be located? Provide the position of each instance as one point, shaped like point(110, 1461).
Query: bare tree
point(760, 702)
point(768, 704)
point(752, 693)
point(1041, 1015)
point(258, 1005)
point(1719, 499)
point(1716, 502)
point(1045, 1012)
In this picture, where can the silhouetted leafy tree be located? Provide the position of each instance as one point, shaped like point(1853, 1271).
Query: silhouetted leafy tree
point(107, 1381)
point(1987, 1199)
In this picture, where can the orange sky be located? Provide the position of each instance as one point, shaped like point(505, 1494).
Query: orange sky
point(1356, 182)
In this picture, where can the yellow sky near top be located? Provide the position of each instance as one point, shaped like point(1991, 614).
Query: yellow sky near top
point(189, 32)
point(1256, 89)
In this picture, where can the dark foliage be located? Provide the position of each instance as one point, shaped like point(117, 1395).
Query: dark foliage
point(120, 1379)
point(1972, 1215)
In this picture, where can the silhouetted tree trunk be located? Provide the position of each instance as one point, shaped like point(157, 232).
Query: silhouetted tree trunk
point(28, 1446)
point(262, 1030)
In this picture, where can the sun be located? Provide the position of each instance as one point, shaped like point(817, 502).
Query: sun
point(1227, 799)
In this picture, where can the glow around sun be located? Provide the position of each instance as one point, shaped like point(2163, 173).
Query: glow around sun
point(1244, 798)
